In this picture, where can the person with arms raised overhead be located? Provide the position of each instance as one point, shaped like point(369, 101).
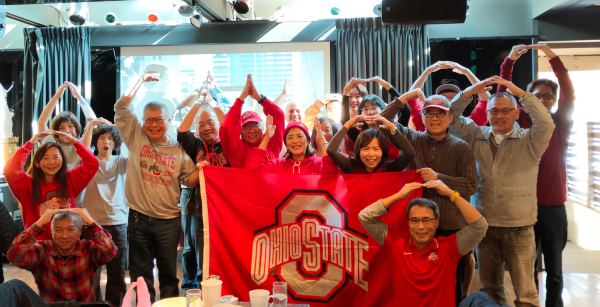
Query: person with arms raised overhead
point(423, 267)
point(63, 267)
point(551, 227)
point(156, 167)
point(249, 126)
point(507, 158)
point(48, 184)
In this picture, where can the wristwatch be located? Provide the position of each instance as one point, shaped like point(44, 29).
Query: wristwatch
point(263, 98)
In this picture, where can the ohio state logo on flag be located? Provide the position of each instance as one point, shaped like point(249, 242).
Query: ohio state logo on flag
point(261, 228)
point(310, 247)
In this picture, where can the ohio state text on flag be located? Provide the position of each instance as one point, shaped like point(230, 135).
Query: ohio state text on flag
point(302, 229)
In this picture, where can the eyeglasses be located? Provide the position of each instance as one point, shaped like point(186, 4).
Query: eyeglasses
point(426, 221)
point(249, 127)
point(546, 96)
point(150, 120)
point(504, 111)
point(208, 124)
point(438, 115)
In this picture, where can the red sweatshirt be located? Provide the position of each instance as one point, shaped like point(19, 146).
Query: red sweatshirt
point(552, 177)
point(478, 115)
point(20, 185)
point(238, 152)
point(310, 165)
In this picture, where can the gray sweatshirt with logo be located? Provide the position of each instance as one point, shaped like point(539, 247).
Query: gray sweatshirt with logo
point(154, 171)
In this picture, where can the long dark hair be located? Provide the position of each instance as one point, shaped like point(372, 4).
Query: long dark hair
point(309, 149)
point(334, 130)
point(37, 175)
point(363, 139)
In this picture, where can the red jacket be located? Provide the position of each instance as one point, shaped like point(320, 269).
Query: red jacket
point(310, 165)
point(20, 185)
point(552, 176)
point(237, 151)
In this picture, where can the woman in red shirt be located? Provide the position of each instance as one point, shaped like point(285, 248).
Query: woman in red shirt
point(48, 184)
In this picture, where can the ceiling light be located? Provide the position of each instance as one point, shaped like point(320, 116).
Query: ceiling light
point(196, 20)
point(78, 13)
point(241, 6)
point(153, 18)
point(111, 18)
point(185, 10)
point(377, 10)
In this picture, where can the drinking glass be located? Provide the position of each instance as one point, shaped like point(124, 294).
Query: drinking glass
point(279, 294)
point(193, 297)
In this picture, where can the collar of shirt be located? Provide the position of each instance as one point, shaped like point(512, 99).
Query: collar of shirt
point(498, 138)
point(433, 245)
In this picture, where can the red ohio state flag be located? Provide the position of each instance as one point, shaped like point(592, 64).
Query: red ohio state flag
point(302, 229)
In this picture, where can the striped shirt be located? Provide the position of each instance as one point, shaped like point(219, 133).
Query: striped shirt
point(453, 160)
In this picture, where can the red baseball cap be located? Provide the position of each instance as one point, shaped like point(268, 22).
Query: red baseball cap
point(250, 117)
point(437, 101)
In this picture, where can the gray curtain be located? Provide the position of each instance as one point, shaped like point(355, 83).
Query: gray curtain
point(54, 55)
point(366, 48)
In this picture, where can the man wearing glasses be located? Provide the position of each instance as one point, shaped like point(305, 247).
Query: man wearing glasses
point(551, 226)
point(248, 126)
point(507, 162)
point(441, 156)
point(157, 166)
point(424, 267)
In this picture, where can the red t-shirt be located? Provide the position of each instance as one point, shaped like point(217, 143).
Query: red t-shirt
point(426, 278)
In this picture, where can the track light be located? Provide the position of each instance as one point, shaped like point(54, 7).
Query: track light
point(196, 20)
point(78, 13)
point(185, 10)
point(377, 10)
point(111, 18)
point(241, 6)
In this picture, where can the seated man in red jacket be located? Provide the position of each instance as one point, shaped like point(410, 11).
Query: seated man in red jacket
point(249, 127)
point(424, 267)
point(63, 267)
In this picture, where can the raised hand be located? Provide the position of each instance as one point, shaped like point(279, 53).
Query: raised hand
point(64, 137)
point(543, 47)
point(253, 92)
point(41, 135)
point(286, 90)
point(511, 88)
point(440, 187)
point(413, 94)
point(354, 82)
point(427, 174)
point(83, 213)
point(479, 87)
point(151, 76)
point(319, 137)
point(517, 51)
point(74, 90)
point(99, 121)
point(384, 123)
point(246, 91)
point(408, 188)
point(439, 65)
point(457, 68)
point(47, 216)
point(354, 121)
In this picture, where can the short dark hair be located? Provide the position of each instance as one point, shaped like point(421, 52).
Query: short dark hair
point(447, 91)
point(62, 117)
point(503, 95)
point(334, 130)
point(362, 90)
point(309, 149)
point(553, 85)
point(424, 202)
point(374, 99)
point(102, 129)
point(363, 139)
